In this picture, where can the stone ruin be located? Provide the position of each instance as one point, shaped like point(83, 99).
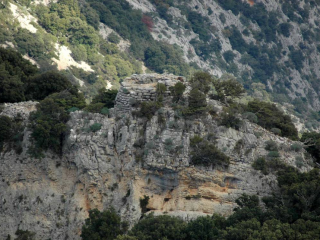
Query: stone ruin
point(143, 87)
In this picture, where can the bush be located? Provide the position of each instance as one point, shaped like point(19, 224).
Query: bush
point(143, 203)
point(201, 81)
point(230, 120)
point(95, 107)
point(102, 225)
point(48, 126)
point(73, 109)
point(273, 154)
point(104, 111)
point(276, 131)
point(299, 162)
point(107, 97)
point(114, 38)
point(296, 147)
point(228, 56)
point(177, 91)
point(148, 109)
point(197, 99)
point(251, 117)
point(70, 98)
point(312, 142)
point(260, 164)
point(168, 145)
point(228, 88)
point(5, 129)
point(269, 117)
point(95, 127)
point(41, 86)
point(205, 153)
point(271, 145)
point(159, 227)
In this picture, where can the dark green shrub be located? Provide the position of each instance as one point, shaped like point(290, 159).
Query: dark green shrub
point(312, 142)
point(269, 116)
point(48, 126)
point(273, 154)
point(197, 99)
point(276, 131)
point(205, 153)
point(159, 227)
point(70, 98)
point(177, 91)
point(204, 228)
point(143, 203)
point(299, 162)
point(24, 235)
point(260, 164)
point(107, 97)
point(104, 111)
point(148, 109)
point(95, 127)
point(284, 29)
point(102, 225)
point(228, 56)
point(201, 81)
point(95, 107)
point(6, 130)
point(41, 86)
point(297, 147)
point(250, 116)
point(168, 145)
point(114, 38)
point(230, 120)
point(161, 88)
point(228, 88)
point(271, 145)
point(73, 109)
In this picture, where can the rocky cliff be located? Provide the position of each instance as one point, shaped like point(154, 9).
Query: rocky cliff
point(127, 159)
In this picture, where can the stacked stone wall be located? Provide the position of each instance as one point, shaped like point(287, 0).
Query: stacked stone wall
point(143, 88)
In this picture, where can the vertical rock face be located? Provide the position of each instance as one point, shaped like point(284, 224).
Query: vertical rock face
point(100, 169)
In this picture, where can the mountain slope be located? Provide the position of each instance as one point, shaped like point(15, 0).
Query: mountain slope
point(269, 42)
point(117, 159)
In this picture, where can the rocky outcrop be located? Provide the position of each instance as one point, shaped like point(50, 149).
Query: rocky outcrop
point(51, 196)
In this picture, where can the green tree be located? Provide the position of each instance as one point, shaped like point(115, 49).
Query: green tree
point(197, 99)
point(107, 97)
point(228, 88)
point(11, 87)
point(177, 91)
point(312, 142)
point(207, 154)
point(48, 126)
point(269, 117)
point(205, 228)
point(5, 129)
point(104, 225)
point(159, 227)
point(69, 98)
point(201, 81)
point(41, 86)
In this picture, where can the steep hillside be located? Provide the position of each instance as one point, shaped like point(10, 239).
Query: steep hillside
point(273, 43)
point(270, 46)
point(136, 151)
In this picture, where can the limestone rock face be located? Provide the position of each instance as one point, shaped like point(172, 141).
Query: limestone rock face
point(51, 196)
